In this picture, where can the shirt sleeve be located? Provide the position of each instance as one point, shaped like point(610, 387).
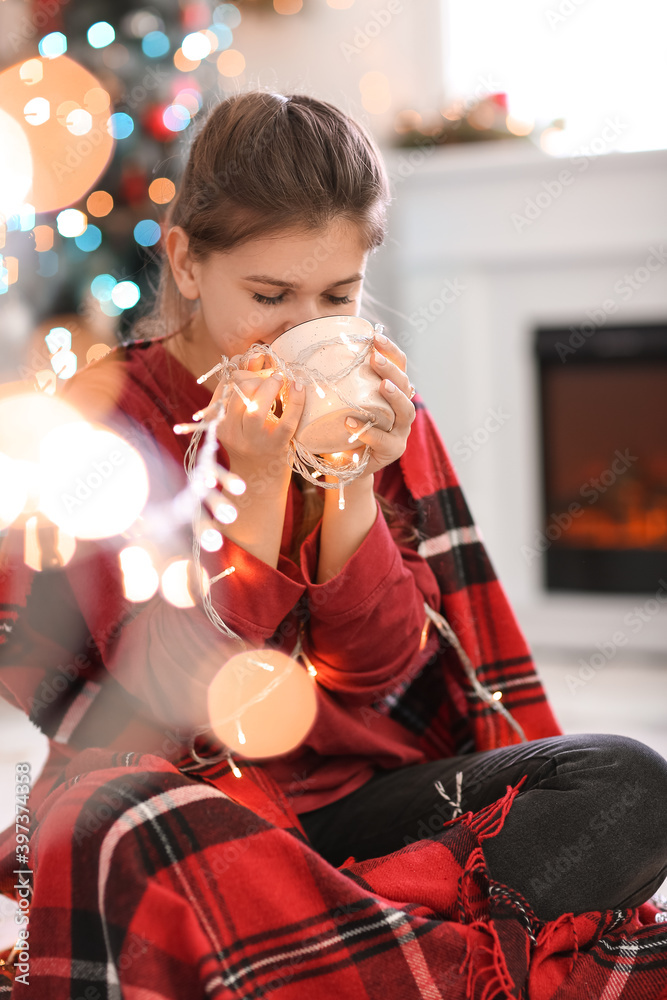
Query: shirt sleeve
point(366, 623)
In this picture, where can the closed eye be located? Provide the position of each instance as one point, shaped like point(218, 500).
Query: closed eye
point(337, 300)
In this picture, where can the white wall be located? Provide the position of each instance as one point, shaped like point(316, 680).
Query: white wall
point(311, 52)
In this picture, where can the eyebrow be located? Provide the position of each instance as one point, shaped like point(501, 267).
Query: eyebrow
point(265, 279)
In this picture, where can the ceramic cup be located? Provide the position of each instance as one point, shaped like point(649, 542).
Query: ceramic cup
point(322, 426)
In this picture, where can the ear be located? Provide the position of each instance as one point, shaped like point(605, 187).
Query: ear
point(181, 263)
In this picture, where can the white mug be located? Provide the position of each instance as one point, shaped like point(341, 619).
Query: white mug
point(322, 427)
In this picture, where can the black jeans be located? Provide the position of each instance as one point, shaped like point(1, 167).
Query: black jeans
point(587, 831)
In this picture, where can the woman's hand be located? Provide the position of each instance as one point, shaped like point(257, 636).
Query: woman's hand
point(256, 440)
point(389, 362)
point(257, 444)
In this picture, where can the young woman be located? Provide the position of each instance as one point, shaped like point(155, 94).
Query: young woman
point(282, 202)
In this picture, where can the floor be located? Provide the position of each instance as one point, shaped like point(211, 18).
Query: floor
point(629, 698)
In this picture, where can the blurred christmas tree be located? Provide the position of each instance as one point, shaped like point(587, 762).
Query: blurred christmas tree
point(91, 272)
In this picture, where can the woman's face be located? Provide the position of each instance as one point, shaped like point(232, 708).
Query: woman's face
point(255, 293)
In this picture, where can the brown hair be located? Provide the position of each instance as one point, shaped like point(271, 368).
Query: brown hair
point(263, 164)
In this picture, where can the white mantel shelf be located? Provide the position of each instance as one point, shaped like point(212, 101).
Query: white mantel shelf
point(451, 220)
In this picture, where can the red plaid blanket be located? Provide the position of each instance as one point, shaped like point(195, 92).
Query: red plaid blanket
point(159, 879)
point(154, 883)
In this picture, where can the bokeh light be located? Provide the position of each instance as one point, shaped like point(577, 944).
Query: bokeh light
point(102, 286)
point(223, 35)
point(155, 44)
point(196, 46)
point(58, 337)
point(262, 703)
point(25, 418)
point(15, 165)
point(101, 34)
point(190, 99)
point(176, 117)
point(13, 491)
point(90, 239)
point(71, 222)
point(96, 100)
point(53, 45)
point(287, 6)
point(99, 203)
point(140, 578)
point(120, 125)
point(147, 232)
point(161, 190)
point(31, 71)
point(227, 14)
point(231, 62)
point(96, 352)
point(64, 363)
point(64, 547)
point(43, 238)
point(37, 111)
point(93, 483)
point(142, 23)
point(211, 540)
point(177, 580)
point(65, 163)
point(125, 294)
point(183, 64)
point(79, 121)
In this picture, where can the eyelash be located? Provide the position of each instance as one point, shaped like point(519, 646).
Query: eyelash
point(337, 300)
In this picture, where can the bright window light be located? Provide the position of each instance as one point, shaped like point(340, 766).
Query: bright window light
point(594, 64)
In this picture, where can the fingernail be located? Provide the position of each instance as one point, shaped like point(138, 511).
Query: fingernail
point(389, 386)
point(380, 358)
point(278, 376)
point(298, 386)
point(381, 339)
point(351, 422)
point(255, 356)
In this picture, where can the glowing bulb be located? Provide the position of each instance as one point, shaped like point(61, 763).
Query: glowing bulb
point(319, 390)
point(196, 46)
point(93, 483)
point(273, 710)
point(71, 222)
point(175, 583)
point(140, 578)
point(211, 540)
point(58, 337)
point(225, 513)
point(497, 695)
point(234, 485)
point(235, 770)
point(37, 111)
point(64, 363)
point(355, 458)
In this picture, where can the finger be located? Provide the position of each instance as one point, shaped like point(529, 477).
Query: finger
point(386, 369)
point(259, 398)
point(389, 349)
point(401, 403)
point(256, 361)
point(294, 400)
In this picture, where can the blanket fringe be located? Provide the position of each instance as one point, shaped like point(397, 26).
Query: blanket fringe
point(488, 822)
point(492, 978)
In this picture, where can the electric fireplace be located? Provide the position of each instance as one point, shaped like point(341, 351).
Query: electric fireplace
point(603, 405)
